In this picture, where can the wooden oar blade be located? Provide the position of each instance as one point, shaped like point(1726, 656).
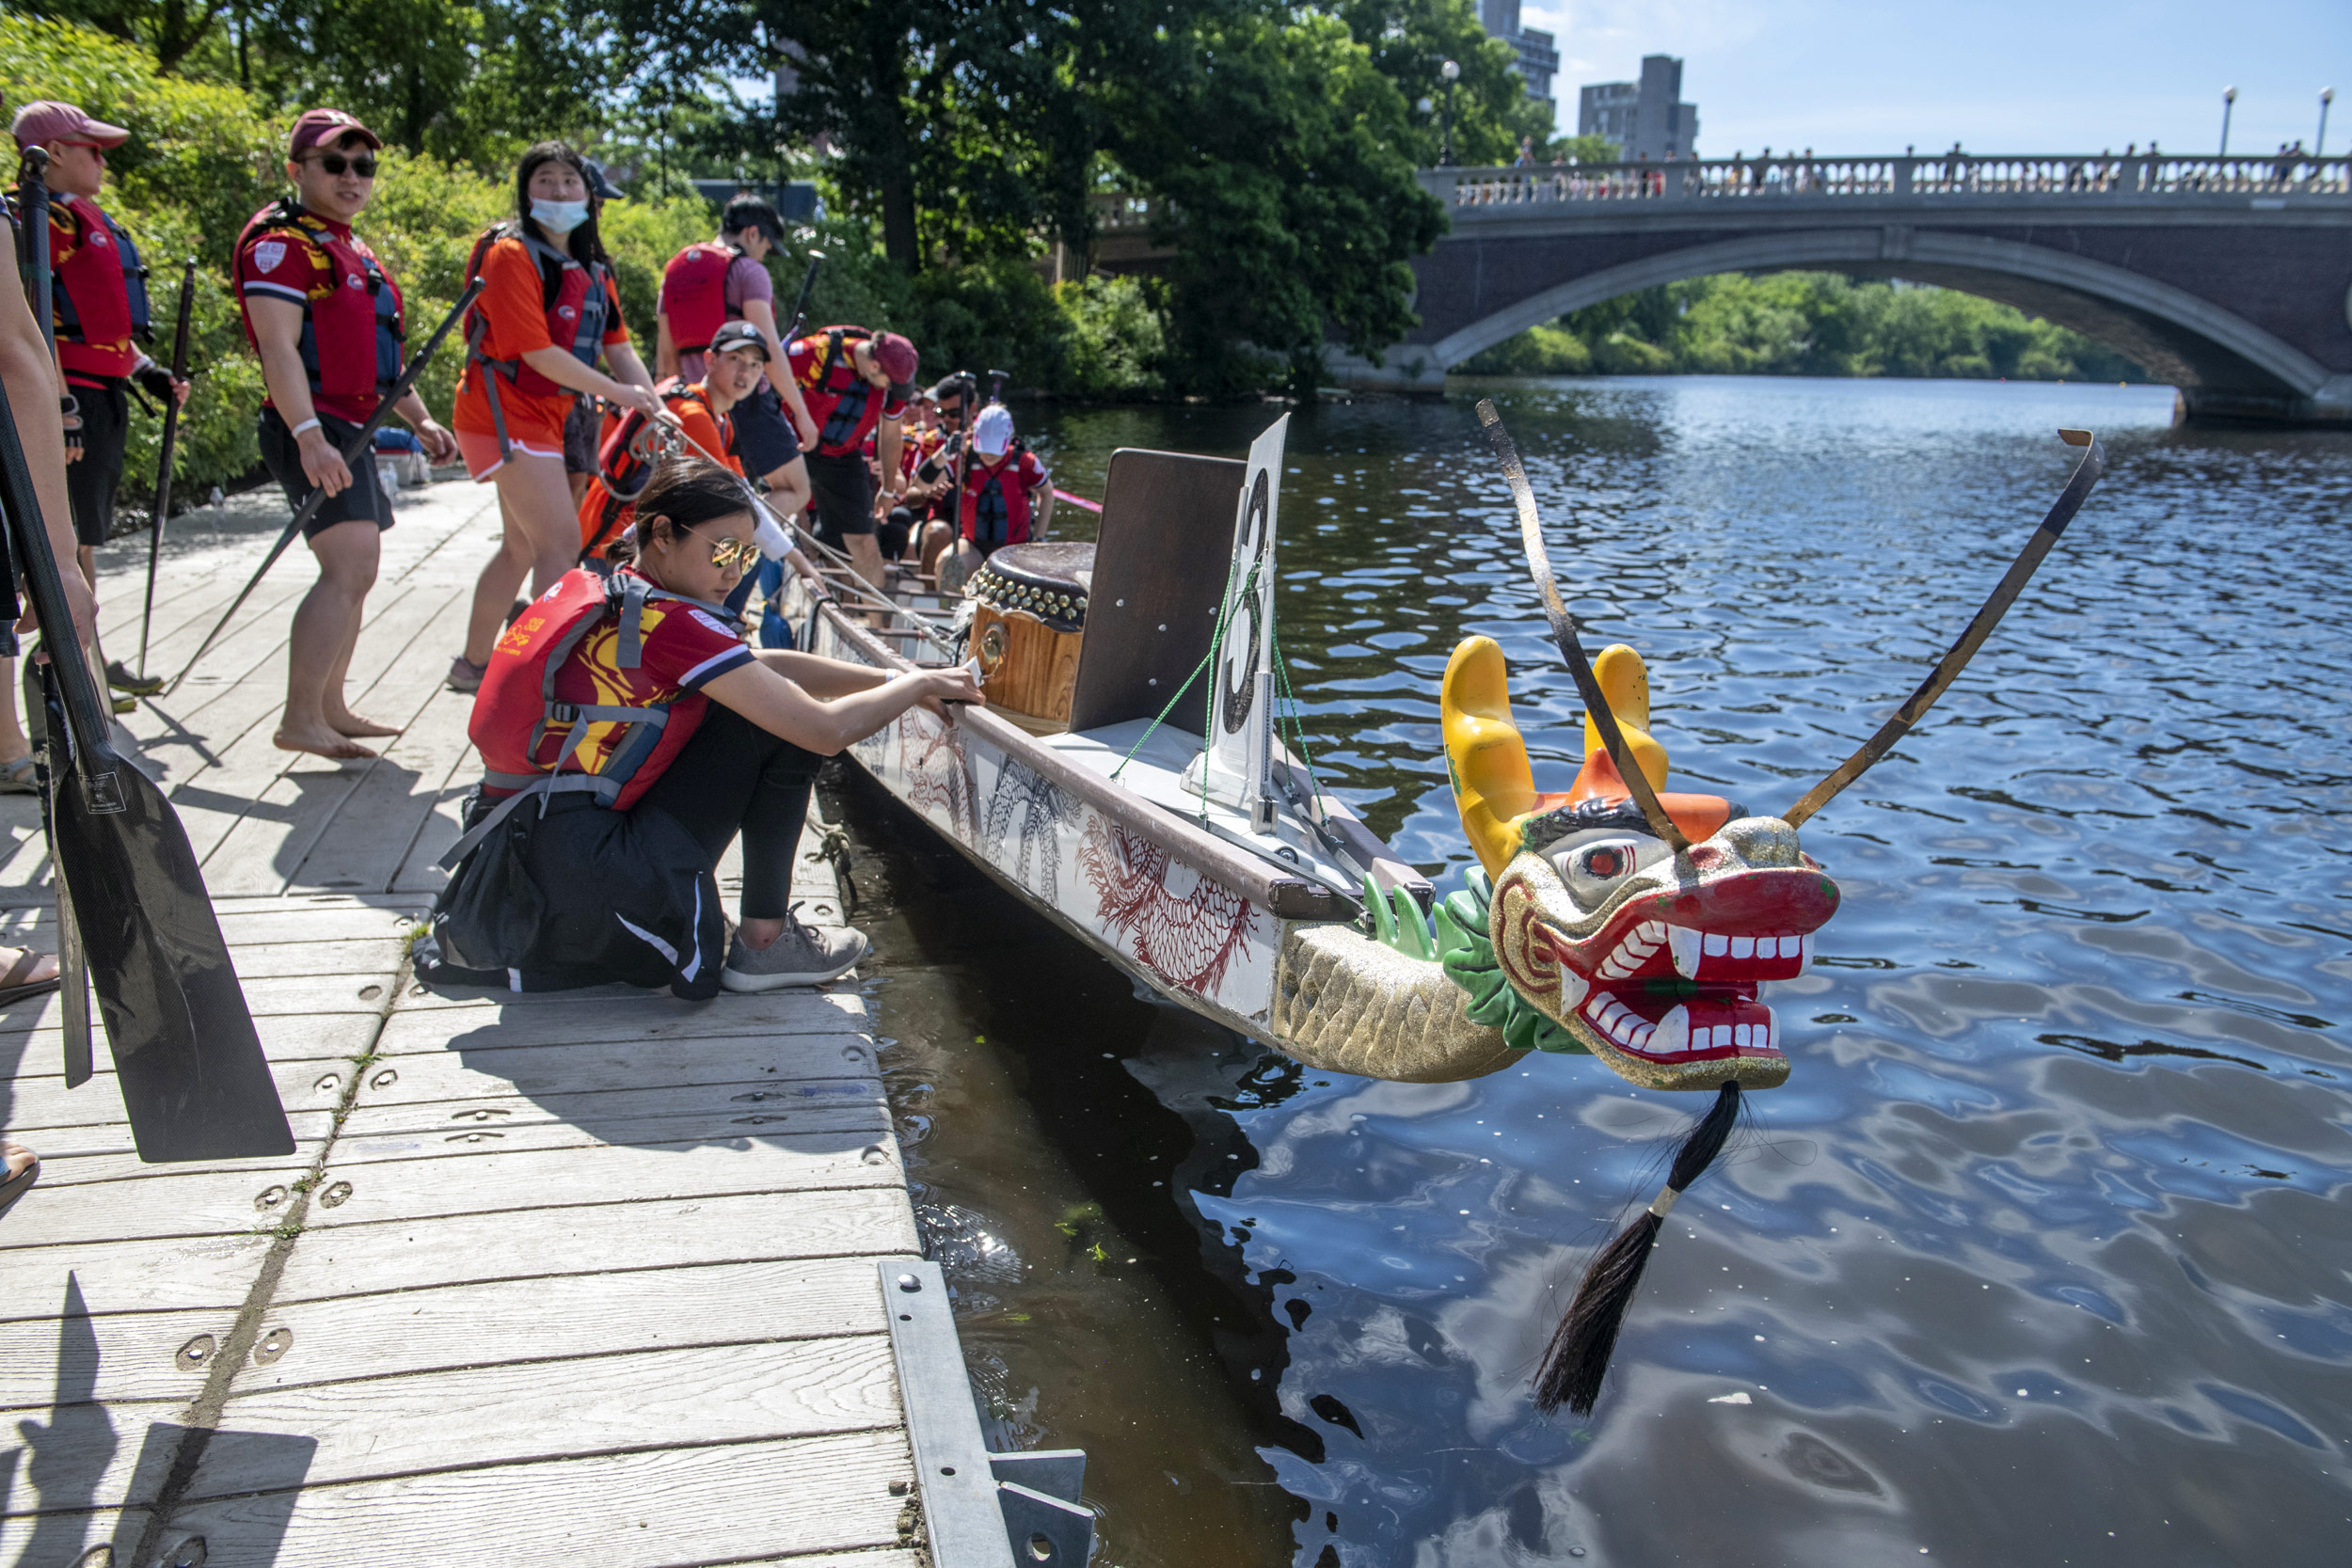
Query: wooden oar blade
point(193, 1080)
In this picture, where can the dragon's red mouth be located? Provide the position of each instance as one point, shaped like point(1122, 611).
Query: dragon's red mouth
point(1671, 977)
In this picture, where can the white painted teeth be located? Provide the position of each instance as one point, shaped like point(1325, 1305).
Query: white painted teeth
point(1573, 987)
point(1673, 1036)
point(1619, 1023)
point(1691, 945)
point(1634, 951)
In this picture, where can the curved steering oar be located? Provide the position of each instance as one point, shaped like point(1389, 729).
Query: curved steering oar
point(1564, 633)
point(2086, 471)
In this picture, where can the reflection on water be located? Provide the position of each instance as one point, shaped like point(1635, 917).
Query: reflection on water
point(2041, 1254)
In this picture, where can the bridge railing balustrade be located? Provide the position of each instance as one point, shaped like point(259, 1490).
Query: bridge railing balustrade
point(1955, 174)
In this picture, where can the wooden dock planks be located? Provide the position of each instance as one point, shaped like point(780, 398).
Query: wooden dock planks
point(584, 1278)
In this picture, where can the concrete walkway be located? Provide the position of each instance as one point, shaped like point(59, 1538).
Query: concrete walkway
point(586, 1278)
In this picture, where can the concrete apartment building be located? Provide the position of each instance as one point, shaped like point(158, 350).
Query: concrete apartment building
point(1646, 119)
point(1539, 59)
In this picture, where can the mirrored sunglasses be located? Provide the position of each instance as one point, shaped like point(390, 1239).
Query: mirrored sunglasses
point(335, 163)
point(737, 553)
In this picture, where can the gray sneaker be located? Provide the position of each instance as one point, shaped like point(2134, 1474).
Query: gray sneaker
point(803, 955)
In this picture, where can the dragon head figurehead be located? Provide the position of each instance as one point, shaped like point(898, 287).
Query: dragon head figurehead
point(1618, 944)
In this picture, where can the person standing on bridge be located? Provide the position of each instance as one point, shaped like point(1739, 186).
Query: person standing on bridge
point(98, 288)
point(325, 320)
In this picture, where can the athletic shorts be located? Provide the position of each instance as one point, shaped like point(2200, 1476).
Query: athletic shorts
point(764, 437)
point(579, 437)
point(894, 532)
point(362, 501)
point(841, 496)
point(480, 449)
point(92, 478)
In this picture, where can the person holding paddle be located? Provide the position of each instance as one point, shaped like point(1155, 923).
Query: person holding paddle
point(326, 319)
point(532, 342)
point(31, 379)
point(100, 304)
point(712, 285)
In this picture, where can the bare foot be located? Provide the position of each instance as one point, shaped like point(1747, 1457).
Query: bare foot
point(15, 971)
point(19, 1157)
point(321, 741)
point(353, 724)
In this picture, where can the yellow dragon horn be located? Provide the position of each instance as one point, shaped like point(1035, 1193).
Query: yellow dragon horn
point(1493, 786)
point(1625, 681)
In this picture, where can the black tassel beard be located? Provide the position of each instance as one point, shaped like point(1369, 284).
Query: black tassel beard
point(1577, 1361)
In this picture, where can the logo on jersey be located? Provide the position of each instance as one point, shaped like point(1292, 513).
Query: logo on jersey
point(268, 254)
point(567, 312)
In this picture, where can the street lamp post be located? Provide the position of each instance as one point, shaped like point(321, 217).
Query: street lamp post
point(2229, 99)
point(1451, 73)
point(2319, 143)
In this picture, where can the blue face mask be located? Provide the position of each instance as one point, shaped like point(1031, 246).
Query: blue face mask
point(559, 218)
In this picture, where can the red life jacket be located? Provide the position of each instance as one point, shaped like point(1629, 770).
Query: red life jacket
point(101, 295)
point(576, 301)
point(995, 507)
point(694, 286)
point(844, 403)
point(352, 336)
point(623, 462)
point(517, 708)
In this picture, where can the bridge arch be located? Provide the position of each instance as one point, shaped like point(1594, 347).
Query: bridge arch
point(2176, 335)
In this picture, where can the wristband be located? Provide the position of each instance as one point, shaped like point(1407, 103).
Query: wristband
point(310, 423)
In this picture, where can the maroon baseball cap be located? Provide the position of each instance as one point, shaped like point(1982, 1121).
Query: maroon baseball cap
point(896, 357)
point(46, 121)
point(326, 125)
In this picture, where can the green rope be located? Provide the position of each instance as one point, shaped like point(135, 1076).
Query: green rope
point(1291, 713)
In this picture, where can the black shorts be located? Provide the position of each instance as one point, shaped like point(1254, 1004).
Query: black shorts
point(92, 478)
point(764, 437)
point(896, 531)
point(841, 496)
point(362, 501)
point(580, 427)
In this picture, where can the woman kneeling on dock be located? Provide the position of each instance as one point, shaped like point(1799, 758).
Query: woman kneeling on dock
point(639, 735)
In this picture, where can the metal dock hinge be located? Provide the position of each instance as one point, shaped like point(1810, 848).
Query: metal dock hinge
point(981, 1510)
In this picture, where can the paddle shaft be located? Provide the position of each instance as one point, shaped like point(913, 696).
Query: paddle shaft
point(163, 459)
point(1564, 633)
point(800, 306)
point(354, 451)
point(73, 967)
point(2092, 464)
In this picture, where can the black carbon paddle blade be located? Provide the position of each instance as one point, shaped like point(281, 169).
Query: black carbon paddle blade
point(194, 1079)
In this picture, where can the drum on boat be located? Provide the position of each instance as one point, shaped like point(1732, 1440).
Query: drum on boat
point(1028, 626)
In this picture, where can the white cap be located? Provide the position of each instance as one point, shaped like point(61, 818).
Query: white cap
point(768, 534)
point(991, 433)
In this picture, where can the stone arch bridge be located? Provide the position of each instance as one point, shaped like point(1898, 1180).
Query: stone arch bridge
point(2231, 279)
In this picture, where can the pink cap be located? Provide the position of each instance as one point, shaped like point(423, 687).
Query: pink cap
point(326, 125)
point(896, 355)
point(46, 121)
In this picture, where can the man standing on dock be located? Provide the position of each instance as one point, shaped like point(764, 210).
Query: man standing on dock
point(709, 285)
point(325, 320)
point(98, 288)
point(857, 384)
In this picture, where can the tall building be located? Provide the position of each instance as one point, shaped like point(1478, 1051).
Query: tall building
point(1645, 119)
point(1539, 57)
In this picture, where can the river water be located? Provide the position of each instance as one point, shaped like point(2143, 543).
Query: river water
point(2042, 1254)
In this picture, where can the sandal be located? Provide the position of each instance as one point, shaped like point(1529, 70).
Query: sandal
point(15, 986)
point(17, 778)
point(15, 1187)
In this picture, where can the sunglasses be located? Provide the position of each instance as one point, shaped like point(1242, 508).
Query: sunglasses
point(335, 163)
point(735, 553)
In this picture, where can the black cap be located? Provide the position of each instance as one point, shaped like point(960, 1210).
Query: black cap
point(749, 211)
point(599, 186)
point(737, 335)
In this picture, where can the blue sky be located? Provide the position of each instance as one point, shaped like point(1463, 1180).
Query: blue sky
point(2005, 76)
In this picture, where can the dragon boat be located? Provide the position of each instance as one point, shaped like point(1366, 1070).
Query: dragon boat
point(1158, 818)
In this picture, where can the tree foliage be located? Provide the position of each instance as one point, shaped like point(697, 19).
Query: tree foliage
point(1804, 324)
